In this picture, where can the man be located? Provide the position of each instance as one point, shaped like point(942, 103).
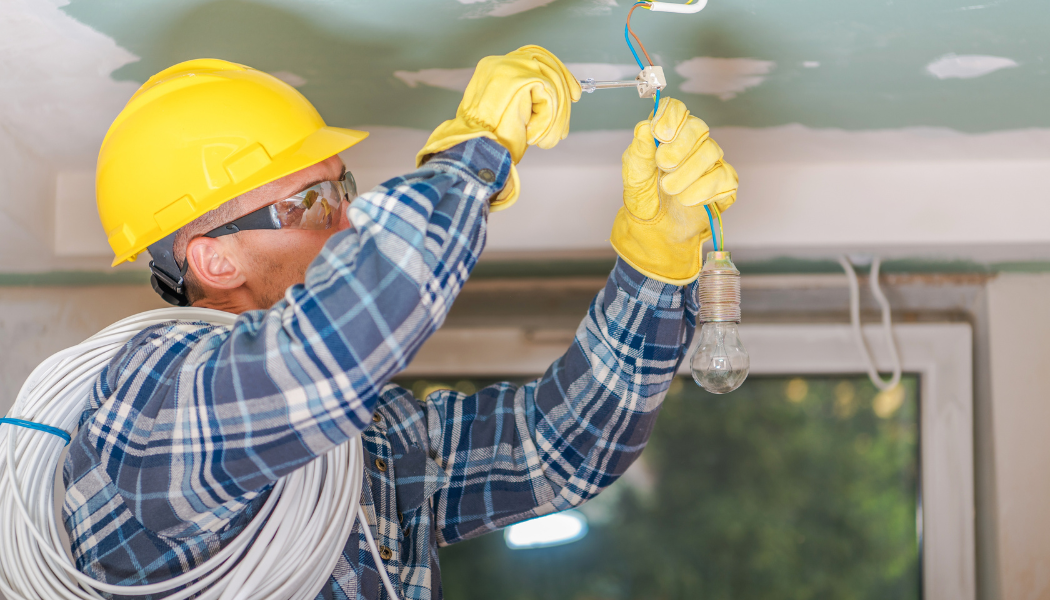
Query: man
point(232, 181)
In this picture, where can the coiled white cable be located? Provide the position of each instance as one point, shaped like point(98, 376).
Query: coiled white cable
point(301, 528)
point(887, 324)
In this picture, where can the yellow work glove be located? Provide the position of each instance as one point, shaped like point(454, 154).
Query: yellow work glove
point(521, 99)
point(663, 221)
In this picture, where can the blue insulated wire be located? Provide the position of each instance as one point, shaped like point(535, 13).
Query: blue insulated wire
point(655, 109)
point(714, 236)
point(627, 36)
point(38, 427)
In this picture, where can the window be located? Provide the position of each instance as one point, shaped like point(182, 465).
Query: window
point(805, 483)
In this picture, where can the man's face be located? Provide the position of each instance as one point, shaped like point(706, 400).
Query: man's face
point(274, 260)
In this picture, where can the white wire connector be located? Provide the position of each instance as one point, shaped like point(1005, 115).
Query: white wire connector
point(887, 324)
point(648, 82)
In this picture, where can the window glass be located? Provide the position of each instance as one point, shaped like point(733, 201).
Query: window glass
point(788, 488)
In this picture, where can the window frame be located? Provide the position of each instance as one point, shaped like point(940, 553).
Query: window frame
point(941, 354)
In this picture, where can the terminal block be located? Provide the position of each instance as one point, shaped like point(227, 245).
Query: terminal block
point(650, 81)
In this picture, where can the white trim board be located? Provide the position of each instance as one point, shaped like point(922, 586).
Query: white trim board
point(941, 354)
point(803, 191)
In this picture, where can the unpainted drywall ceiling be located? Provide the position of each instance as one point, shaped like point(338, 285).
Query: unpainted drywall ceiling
point(907, 129)
point(971, 65)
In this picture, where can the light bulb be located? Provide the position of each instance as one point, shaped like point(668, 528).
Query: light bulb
point(720, 363)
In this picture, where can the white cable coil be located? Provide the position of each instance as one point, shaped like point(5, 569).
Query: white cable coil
point(302, 527)
point(887, 323)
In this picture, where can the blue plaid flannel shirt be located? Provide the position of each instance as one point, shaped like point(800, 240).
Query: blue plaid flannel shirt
point(190, 425)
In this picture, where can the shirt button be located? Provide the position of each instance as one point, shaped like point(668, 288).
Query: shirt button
point(381, 464)
point(400, 517)
point(376, 418)
point(385, 553)
point(487, 176)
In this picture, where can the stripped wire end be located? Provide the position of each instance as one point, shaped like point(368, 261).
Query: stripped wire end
point(716, 240)
point(721, 234)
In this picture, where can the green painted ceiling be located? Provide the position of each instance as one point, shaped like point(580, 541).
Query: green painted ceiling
point(872, 55)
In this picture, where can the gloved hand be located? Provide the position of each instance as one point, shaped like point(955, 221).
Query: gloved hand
point(521, 99)
point(663, 221)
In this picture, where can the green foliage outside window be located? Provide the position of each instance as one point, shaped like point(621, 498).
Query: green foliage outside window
point(789, 488)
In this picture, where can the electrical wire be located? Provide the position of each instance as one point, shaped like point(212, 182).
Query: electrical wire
point(711, 220)
point(716, 239)
point(628, 34)
point(674, 7)
point(887, 325)
point(626, 37)
point(287, 552)
point(635, 36)
point(718, 214)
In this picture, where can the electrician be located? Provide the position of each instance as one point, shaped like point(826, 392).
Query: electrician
point(231, 181)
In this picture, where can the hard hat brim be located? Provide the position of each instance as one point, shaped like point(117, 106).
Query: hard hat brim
point(319, 145)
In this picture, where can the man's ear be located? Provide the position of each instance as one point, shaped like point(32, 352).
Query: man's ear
point(213, 263)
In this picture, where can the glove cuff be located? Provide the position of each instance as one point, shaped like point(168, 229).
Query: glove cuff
point(657, 249)
point(655, 275)
point(448, 134)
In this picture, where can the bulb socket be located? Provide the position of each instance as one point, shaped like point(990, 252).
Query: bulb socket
point(719, 289)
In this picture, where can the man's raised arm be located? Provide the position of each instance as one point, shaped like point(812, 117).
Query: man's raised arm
point(202, 419)
point(213, 415)
point(512, 453)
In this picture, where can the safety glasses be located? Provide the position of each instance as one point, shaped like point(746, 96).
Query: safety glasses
point(317, 207)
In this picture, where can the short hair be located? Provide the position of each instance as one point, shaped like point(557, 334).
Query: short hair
point(224, 213)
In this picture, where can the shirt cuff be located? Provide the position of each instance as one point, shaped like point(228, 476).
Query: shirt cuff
point(650, 291)
point(481, 160)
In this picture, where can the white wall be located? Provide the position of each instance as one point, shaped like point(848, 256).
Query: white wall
point(1019, 319)
point(920, 193)
point(36, 322)
point(57, 102)
point(916, 192)
point(27, 184)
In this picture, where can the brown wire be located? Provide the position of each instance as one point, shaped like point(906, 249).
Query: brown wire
point(635, 36)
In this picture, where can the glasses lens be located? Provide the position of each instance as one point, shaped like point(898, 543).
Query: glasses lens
point(313, 208)
point(349, 185)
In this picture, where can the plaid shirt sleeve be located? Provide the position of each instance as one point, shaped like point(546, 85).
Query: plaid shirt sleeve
point(512, 453)
point(196, 420)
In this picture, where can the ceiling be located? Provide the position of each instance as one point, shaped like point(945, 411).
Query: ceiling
point(909, 129)
point(821, 63)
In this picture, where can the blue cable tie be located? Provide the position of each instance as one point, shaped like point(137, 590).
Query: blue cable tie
point(38, 427)
point(711, 220)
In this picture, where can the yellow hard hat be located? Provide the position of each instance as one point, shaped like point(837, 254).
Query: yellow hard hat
point(196, 135)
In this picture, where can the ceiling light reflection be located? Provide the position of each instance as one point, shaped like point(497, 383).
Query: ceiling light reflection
point(551, 530)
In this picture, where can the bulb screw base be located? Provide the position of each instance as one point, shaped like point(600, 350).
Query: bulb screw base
point(719, 289)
